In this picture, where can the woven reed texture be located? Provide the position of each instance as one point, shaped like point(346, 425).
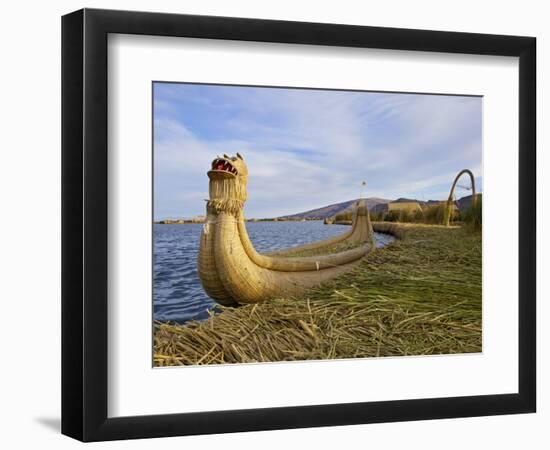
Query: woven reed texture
point(232, 271)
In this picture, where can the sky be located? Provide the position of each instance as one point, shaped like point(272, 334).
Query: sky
point(308, 148)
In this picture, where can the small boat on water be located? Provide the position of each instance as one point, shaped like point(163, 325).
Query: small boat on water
point(233, 272)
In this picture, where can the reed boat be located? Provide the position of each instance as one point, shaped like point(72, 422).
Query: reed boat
point(232, 272)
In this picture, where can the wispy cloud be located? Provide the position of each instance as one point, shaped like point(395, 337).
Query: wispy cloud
point(308, 148)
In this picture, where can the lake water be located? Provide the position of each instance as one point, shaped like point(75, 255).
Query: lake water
point(177, 292)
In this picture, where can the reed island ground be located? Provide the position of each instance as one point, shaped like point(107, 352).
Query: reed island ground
point(420, 295)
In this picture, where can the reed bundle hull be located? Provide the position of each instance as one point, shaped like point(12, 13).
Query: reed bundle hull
point(233, 272)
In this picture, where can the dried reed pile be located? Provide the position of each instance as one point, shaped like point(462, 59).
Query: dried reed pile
point(420, 295)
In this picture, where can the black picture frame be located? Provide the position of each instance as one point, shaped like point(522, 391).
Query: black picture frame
point(84, 224)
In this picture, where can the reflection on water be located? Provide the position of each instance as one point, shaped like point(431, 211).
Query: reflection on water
point(177, 292)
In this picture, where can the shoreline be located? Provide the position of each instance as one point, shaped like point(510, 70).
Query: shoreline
point(419, 295)
point(276, 219)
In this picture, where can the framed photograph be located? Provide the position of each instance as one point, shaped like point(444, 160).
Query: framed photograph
point(272, 224)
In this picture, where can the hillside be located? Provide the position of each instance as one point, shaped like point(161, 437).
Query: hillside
point(331, 210)
point(374, 204)
point(464, 203)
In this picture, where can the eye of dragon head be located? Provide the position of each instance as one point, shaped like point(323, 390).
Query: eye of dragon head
point(228, 180)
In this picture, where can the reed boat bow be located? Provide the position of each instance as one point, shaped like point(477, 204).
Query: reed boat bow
point(233, 272)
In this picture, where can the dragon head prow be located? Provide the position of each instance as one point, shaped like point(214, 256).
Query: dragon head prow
point(228, 181)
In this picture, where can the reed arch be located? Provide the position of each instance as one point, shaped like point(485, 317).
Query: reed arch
point(448, 209)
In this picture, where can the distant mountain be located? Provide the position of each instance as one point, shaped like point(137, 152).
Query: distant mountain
point(374, 204)
point(464, 203)
point(332, 210)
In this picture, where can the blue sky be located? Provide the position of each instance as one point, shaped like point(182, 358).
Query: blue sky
point(309, 148)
